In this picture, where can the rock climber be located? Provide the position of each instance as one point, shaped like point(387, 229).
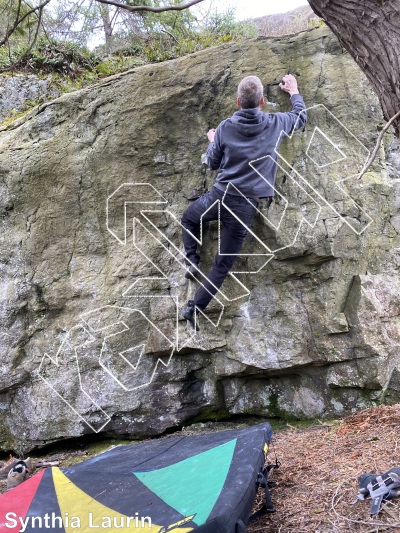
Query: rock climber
point(248, 135)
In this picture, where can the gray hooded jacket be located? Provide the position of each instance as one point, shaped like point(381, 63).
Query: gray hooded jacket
point(250, 135)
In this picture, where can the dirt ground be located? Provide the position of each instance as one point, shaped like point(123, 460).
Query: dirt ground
point(316, 484)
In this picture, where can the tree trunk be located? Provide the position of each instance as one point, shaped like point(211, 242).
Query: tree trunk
point(370, 31)
point(107, 27)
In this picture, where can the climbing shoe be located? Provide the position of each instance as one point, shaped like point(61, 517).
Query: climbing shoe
point(192, 273)
point(189, 314)
point(6, 467)
point(17, 474)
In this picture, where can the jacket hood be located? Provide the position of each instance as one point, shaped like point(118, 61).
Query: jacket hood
point(250, 122)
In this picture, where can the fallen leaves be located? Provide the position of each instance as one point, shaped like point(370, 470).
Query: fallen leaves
point(317, 483)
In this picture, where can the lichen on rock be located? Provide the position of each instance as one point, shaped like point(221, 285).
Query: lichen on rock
point(92, 273)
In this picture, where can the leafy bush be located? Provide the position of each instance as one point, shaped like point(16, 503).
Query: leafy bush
point(51, 56)
point(157, 38)
point(216, 29)
point(221, 25)
point(163, 36)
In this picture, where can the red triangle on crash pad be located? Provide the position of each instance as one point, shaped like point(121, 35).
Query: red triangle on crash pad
point(15, 503)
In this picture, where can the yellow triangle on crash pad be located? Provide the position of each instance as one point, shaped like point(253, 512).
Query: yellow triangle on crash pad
point(81, 512)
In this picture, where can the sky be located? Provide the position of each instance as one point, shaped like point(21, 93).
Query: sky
point(246, 9)
point(258, 8)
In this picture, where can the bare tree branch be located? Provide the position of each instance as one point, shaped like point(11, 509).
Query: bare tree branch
point(14, 26)
point(40, 16)
point(18, 20)
point(135, 9)
point(171, 35)
point(114, 17)
point(377, 145)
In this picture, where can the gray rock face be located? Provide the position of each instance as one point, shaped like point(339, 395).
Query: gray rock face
point(18, 90)
point(93, 185)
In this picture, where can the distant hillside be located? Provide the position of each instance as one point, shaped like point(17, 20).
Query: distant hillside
point(299, 19)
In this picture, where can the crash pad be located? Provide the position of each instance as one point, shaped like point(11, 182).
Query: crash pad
point(204, 483)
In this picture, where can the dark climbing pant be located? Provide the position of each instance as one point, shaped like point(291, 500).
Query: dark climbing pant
point(233, 234)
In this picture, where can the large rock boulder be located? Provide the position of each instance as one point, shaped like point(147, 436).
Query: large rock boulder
point(93, 185)
point(19, 92)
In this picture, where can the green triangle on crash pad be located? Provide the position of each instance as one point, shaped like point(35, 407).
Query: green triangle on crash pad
point(192, 486)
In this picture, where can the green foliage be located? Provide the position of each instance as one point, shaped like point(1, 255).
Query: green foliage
point(180, 22)
point(162, 36)
point(51, 56)
point(10, 10)
point(317, 22)
point(144, 37)
point(72, 20)
point(215, 29)
point(221, 24)
point(108, 67)
point(161, 49)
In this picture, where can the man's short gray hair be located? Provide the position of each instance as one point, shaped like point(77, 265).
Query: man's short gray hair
point(250, 92)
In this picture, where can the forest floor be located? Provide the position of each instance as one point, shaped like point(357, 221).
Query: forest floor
point(317, 482)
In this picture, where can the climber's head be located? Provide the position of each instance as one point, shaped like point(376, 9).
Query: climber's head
point(250, 93)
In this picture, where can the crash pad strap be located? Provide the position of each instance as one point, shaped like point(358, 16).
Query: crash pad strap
point(240, 527)
point(262, 481)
